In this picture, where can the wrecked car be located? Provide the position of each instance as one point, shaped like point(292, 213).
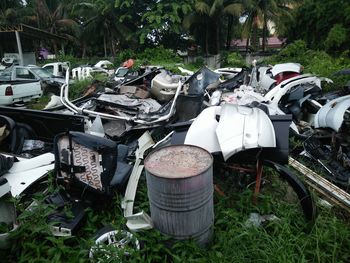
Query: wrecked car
point(57, 68)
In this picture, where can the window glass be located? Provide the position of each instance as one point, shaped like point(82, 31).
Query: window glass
point(42, 72)
point(49, 68)
point(23, 73)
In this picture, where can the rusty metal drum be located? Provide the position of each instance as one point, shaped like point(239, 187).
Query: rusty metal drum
point(180, 192)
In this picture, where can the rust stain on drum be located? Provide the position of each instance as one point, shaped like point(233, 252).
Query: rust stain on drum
point(178, 161)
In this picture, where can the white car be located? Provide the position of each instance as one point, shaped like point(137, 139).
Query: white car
point(18, 84)
point(57, 68)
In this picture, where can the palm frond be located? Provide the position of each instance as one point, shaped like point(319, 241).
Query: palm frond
point(42, 9)
point(234, 9)
point(192, 19)
point(216, 7)
point(202, 7)
point(69, 23)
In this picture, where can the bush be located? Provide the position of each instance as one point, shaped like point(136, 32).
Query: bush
point(336, 37)
point(235, 59)
point(295, 49)
point(77, 88)
point(123, 55)
point(159, 54)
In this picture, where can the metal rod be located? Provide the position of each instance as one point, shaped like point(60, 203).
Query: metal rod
point(63, 100)
point(76, 109)
point(322, 185)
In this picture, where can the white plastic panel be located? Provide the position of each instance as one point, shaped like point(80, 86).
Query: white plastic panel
point(286, 67)
point(202, 131)
point(332, 114)
point(241, 128)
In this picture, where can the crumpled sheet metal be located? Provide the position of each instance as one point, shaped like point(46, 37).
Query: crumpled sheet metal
point(116, 128)
point(134, 91)
point(142, 105)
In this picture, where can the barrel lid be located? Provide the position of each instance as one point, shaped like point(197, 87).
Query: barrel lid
point(178, 161)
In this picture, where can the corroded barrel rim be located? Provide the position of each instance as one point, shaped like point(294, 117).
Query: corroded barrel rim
point(159, 162)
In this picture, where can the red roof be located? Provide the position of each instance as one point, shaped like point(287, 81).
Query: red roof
point(272, 42)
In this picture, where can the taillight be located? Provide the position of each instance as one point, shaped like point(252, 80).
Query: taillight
point(9, 91)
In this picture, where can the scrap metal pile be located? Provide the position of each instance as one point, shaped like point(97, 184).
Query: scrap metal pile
point(96, 144)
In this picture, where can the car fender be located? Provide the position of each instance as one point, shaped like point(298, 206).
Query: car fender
point(242, 127)
point(332, 114)
point(239, 128)
point(202, 131)
point(285, 67)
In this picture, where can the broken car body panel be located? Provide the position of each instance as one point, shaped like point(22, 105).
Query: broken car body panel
point(164, 85)
point(239, 128)
point(27, 171)
point(242, 128)
point(332, 114)
point(205, 123)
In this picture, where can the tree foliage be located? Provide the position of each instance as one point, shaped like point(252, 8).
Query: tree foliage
point(13, 12)
point(155, 22)
point(97, 27)
point(322, 24)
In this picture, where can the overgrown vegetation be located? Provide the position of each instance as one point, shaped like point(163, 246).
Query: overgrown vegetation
point(232, 59)
point(287, 239)
point(323, 25)
point(39, 104)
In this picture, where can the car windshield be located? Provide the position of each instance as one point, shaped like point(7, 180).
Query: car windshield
point(42, 73)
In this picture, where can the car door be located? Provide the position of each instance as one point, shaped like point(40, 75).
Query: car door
point(25, 83)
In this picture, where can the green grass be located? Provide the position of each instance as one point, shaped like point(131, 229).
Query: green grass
point(289, 239)
point(39, 104)
point(76, 90)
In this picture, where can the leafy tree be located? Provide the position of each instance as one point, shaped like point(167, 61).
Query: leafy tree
point(321, 24)
point(100, 19)
point(53, 16)
point(155, 22)
point(336, 37)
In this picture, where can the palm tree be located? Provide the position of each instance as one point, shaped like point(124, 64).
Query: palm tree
point(13, 12)
point(233, 9)
point(54, 16)
point(208, 15)
point(258, 13)
point(101, 17)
